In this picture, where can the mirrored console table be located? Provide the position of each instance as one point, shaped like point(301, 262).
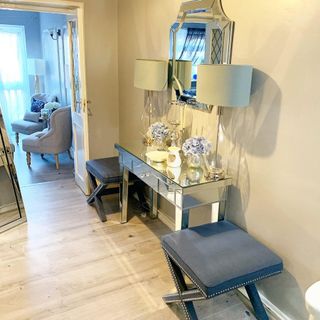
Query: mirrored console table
point(183, 187)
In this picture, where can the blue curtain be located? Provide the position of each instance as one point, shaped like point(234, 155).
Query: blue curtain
point(194, 46)
point(14, 82)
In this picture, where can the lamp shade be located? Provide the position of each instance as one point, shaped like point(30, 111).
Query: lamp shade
point(151, 74)
point(36, 67)
point(224, 85)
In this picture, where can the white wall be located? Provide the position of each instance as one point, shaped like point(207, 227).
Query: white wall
point(271, 148)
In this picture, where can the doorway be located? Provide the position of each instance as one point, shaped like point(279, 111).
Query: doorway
point(35, 81)
point(44, 47)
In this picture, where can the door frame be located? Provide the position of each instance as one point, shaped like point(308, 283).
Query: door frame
point(68, 8)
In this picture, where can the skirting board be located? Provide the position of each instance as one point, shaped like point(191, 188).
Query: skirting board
point(273, 312)
point(8, 207)
point(168, 221)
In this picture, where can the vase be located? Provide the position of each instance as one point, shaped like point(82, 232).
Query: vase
point(159, 144)
point(194, 174)
point(194, 161)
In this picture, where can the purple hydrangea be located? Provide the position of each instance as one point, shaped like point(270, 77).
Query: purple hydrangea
point(196, 145)
point(159, 131)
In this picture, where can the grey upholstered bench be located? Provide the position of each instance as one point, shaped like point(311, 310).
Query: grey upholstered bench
point(217, 258)
point(107, 171)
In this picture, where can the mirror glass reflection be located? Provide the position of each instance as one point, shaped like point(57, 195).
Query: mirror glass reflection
point(202, 34)
point(190, 46)
point(11, 204)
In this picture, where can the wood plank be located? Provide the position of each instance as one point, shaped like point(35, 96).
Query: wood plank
point(66, 264)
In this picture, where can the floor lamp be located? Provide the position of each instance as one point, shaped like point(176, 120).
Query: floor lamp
point(223, 85)
point(36, 68)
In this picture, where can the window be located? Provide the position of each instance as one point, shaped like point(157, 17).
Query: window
point(14, 84)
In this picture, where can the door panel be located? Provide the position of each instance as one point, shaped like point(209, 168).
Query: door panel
point(79, 106)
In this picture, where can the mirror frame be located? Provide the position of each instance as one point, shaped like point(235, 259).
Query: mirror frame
point(203, 11)
point(6, 157)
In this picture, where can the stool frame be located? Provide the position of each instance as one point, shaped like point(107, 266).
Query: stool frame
point(186, 296)
point(102, 190)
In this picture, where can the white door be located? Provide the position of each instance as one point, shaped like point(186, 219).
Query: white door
point(78, 102)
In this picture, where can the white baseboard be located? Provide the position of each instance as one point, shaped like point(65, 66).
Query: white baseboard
point(168, 221)
point(8, 207)
point(276, 313)
point(273, 312)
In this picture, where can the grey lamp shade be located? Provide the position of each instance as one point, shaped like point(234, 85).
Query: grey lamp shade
point(151, 74)
point(224, 85)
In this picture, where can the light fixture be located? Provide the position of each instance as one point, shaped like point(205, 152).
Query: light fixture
point(223, 85)
point(151, 75)
point(36, 68)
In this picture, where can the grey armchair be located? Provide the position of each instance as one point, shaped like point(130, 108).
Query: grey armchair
point(31, 121)
point(54, 140)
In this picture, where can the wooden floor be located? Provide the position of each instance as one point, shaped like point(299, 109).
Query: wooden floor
point(65, 264)
point(41, 170)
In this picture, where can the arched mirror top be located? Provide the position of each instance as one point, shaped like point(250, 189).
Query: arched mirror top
point(202, 34)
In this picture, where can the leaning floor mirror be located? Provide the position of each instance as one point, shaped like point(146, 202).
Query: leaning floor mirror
point(12, 210)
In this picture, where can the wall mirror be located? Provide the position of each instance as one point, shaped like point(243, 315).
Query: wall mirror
point(12, 210)
point(202, 34)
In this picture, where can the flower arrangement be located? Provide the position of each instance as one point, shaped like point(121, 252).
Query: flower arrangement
point(196, 146)
point(159, 131)
point(52, 106)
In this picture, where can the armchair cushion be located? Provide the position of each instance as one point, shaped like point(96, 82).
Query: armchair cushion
point(31, 143)
point(56, 139)
point(31, 116)
point(26, 127)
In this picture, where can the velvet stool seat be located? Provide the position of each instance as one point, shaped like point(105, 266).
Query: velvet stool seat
point(107, 172)
point(217, 258)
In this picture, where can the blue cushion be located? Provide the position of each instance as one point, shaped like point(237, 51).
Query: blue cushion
point(37, 105)
point(106, 170)
point(219, 257)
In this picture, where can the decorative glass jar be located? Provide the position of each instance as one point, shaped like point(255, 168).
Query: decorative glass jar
point(194, 160)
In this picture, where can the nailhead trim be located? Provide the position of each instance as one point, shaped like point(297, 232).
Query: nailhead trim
point(243, 284)
point(222, 291)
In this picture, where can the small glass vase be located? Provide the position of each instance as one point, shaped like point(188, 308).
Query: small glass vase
point(194, 174)
point(159, 144)
point(194, 161)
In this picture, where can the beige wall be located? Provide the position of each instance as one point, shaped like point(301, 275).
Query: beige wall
point(271, 148)
point(101, 40)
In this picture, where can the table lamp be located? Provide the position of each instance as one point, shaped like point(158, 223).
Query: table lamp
point(224, 85)
point(36, 68)
point(151, 75)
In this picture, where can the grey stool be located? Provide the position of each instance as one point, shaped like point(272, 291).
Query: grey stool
point(217, 258)
point(107, 171)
